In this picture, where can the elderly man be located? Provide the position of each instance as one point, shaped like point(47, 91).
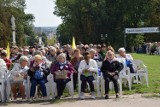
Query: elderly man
point(126, 59)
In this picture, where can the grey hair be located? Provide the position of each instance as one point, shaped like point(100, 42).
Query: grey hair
point(62, 55)
point(23, 58)
point(121, 49)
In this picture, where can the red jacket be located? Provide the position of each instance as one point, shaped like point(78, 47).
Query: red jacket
point(8, 62)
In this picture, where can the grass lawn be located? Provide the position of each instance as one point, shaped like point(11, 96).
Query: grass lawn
point(153, 65)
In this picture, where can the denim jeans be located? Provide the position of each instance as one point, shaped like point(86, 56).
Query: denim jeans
point(34, 83)
point(84, 80)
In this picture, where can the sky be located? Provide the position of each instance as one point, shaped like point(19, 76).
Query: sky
point(43, 12)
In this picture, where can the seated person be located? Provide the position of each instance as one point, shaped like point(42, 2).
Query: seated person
point(7, 60)
point(126, 59)
point(62, 66)
point(86, 68)
point(18, 76)
point(111, 68)
point(38, 75)
point(75, 61)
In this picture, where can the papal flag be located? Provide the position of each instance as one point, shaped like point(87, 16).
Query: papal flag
point(8, 50)
point(73, 43)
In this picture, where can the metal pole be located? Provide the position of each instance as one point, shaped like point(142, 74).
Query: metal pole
point(125, 44)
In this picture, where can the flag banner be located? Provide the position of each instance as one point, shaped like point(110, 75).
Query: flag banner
point(73, 43)
point(8, 50)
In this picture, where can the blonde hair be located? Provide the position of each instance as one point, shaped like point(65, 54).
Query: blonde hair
point(37, 57)
point(109, 52)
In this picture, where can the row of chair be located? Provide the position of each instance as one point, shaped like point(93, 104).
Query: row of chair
point(141, 71)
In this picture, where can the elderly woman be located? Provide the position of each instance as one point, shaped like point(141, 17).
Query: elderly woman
point(86, 68)
point(53, 53)
point(75, 61)
point(19, 74)
point(111, 68)
point(62, 71)
point(38, 75)
point(126, 59)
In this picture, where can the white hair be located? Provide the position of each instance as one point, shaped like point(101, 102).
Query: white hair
point(23, 58)
point(62, 55)
point(121, 49)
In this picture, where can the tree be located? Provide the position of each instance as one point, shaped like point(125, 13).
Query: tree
point(23, 22)
point(88, 19)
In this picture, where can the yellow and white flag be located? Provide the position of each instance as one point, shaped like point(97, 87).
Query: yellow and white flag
point(8, 50)
point(73, 43)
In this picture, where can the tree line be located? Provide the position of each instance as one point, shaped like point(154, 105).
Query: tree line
point(24, 23)
point(87, 20)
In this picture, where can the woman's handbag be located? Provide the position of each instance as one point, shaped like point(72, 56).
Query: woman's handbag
point(20, 78)
point(61, 74)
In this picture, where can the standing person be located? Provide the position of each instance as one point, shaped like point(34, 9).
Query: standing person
point(75, 61)
point(38, 74)
point(64, 67)
point(86, 69)
point(110, 69)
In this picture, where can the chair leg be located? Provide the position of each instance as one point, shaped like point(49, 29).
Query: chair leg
point(120, 87)
point(129, 84)
point(146, 77)
point(79, 89)
point(98, 92)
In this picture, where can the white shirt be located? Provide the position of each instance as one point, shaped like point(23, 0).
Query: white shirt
point(92, 66)
point(3, 68)
point(123, 61)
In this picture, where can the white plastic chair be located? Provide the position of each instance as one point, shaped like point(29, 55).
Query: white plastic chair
point(2, 83)
point(96, 83)
point(69, 86)
point(141, 70)
point(2, 92)
point(125, 79)
point(124, 74)
point(28, 87)
point(110, 85)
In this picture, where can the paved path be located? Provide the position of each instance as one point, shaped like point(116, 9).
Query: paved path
point(125, 101)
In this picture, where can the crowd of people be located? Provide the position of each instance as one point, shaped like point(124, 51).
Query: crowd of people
point(150, 48)
point(62, 62)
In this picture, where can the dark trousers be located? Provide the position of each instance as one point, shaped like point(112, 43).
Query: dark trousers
point(61, 84)
point(131, 68)
point(34, 83)
point(75, 80)
point(114, 79)
point(84, 80)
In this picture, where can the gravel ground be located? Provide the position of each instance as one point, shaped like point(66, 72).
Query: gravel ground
point(136, 100)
